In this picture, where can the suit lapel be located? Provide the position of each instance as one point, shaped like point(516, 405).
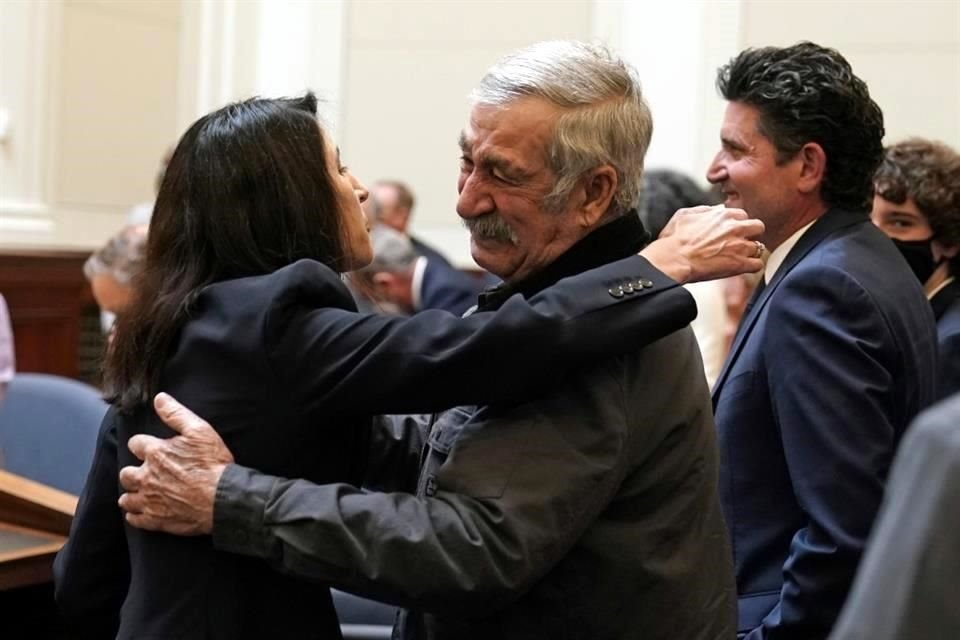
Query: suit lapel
point(945, 298)
point(829, 222)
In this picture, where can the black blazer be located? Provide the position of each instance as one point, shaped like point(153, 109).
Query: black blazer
point(290, 375)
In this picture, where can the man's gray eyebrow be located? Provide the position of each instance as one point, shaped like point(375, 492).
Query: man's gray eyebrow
point(495, 161)
point(504, 165)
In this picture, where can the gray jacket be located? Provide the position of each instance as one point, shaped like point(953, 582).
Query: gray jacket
point(590, 512)
point(907, 585)
point(595, 515)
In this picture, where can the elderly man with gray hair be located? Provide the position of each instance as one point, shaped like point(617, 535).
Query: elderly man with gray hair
point(112, 269)
point(391, 204)
point(588, 512)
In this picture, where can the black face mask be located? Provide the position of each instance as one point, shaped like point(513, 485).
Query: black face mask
point(919, 255)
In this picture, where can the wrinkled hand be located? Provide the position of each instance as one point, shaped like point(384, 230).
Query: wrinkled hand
point(174, 489)
point(704, 243)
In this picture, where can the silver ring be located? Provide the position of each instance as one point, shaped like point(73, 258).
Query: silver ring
point(760, 248)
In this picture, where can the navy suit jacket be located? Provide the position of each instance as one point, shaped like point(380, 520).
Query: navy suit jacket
point(946, 308)
point(444, 287)
point(835, 357)
point(425, 250)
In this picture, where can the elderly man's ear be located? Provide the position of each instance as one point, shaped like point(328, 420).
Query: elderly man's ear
point(813, 167)
point(595, 194)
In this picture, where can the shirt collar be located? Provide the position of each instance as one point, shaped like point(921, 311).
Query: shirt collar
point(416, 284)
point(778, 255)
point(940, 287)
point(944, 296)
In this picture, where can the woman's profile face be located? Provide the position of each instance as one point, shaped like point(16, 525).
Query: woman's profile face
point(350, 193)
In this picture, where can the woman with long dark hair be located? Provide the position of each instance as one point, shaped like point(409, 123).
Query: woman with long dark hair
point(241, 314)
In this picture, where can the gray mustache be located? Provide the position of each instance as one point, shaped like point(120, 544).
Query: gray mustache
point(491, 226)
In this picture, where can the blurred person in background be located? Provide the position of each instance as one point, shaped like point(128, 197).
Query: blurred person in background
point(917, 203)
point(409, 283)
point(392, 205)
point(737, 291)
point(112, 271)
point(7, 358)
point(664, 192)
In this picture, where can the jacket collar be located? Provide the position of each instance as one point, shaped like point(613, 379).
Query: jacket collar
point(615, 240)
point(945, 298)
point(833, 220)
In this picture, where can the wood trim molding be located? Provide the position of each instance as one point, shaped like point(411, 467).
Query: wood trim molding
point(26, 503)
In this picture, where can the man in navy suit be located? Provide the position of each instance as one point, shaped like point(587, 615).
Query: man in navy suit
point(837, 351)
point(412, 283)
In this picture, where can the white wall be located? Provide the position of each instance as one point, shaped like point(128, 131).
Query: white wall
point(236, 49)
point(118, 78)
point(26, 33)
point(409, 68)
point(92, 104)
point(676, 48)
point(908, 53)
point(96, 89)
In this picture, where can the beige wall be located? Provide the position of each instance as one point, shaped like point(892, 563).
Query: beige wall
point(676, 48)
point(116, 102)
point(907, 52)
point(409, 68)
point(96, 89)
point(106, 108)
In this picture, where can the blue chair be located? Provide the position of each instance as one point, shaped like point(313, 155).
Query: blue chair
point(48, 429)
point(362, 619)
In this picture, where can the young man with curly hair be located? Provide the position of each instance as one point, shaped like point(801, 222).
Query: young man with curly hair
point(917, 203)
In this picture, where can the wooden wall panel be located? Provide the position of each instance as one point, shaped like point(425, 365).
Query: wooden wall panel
point(47, 295)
